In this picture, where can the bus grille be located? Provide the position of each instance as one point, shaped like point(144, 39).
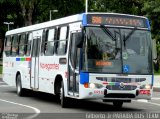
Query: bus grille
point(119, 95)
point(117, 87)
point(124, 80)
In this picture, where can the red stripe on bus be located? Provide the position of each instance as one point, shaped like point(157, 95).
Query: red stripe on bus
point(105, 83)
point(28, 59)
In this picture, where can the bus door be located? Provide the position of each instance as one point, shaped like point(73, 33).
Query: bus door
point(74, 56)
point(35, 62)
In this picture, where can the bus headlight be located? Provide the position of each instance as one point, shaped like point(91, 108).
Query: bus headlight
point(92, 85)
point(95, 85)
point(147, 86)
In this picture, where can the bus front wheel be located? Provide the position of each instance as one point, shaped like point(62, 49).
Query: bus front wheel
point(20, 90)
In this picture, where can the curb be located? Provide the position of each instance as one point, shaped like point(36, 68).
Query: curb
point(0, 76)
point(156, 89)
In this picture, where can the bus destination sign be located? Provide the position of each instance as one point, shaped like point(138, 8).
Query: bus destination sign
point(116, 20)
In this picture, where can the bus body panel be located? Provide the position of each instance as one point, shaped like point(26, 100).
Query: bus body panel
point(48, 70)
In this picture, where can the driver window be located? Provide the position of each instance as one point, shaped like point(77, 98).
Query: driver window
point(100, 45)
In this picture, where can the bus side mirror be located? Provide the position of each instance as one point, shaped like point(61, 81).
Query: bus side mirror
point(154, 49)
point(79, 40)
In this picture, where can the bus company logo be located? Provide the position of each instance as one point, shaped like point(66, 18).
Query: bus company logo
point(49, 66)
point(122, 85)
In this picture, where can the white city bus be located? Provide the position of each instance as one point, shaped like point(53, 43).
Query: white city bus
point(104, 56)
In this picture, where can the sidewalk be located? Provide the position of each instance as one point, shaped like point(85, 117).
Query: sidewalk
point(156, 84)
point(0, 76)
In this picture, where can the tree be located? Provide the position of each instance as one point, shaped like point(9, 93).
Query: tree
point(28, 12)
point(27, 7)
point(9, 13)
point(119, 6)
point(152, 11)
point(69, 7)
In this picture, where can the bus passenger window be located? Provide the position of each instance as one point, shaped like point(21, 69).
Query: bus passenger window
point(14, 45)
point(25, 44)
point(49, 43)
point(21, 44)
point(8, 46)
point(43, 42)
point(28, 45)
point(61, 43)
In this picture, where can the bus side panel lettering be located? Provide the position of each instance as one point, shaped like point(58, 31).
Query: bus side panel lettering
point(49, 66)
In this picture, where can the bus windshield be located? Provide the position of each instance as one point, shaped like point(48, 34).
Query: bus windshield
point(117, 50)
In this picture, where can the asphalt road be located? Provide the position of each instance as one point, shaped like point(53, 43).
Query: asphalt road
point(42, 105)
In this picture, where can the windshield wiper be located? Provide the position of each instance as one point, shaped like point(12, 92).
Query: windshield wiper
point(105, 29)
point(129, 35)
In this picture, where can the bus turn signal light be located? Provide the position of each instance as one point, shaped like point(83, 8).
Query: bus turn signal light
point(86, 85)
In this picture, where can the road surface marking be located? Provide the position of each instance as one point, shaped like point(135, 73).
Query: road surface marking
point(155, 98)
point(35, 109)
point(142, 100)
point(7, 86)
point(154, 103)
point(146, 101)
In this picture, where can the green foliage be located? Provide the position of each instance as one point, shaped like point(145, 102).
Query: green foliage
point(157, 72)
point(158, 48)
point(119, 6)
point(0, 69)
point(152, 11)
point(19, 10)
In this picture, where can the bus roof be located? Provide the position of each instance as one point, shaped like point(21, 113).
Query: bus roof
point(65, 20)
point(69, 19)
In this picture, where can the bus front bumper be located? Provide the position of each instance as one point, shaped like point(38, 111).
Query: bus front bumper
point(115, 94)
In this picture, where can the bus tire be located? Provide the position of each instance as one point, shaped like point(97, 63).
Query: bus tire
point(118, 104)
point(20, 90)
point(64, 100)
